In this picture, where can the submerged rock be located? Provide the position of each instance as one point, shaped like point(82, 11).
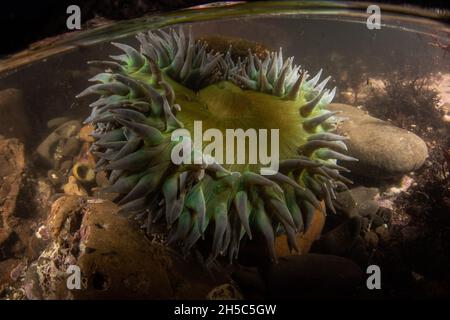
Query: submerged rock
point(12, 165)
point(340, 240)
point(383, 150)
point(312, 276)
point(116, 259)
point(357, 202)
point(13, 118)
point(60, 144)
point(226, 291)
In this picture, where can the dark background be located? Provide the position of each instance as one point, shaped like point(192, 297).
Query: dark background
point(24, 22)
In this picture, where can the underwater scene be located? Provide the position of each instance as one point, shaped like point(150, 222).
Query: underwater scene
point(232, 151)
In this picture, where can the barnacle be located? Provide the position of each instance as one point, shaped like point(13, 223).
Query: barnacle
point(173, 81)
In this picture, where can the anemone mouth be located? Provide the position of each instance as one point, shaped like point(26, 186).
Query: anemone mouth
point(174, 81)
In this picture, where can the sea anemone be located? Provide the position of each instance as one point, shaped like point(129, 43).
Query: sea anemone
point(173, 81)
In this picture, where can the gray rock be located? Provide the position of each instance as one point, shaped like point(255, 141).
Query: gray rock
point(357, 202)
point(383, 150)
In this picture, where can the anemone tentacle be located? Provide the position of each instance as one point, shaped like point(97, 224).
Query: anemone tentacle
point(145, 95)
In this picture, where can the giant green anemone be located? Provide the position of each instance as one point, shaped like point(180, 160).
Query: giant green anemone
point(173, 81)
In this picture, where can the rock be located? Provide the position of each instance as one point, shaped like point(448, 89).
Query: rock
point(357, 201)
point(118, 261)
point(101, 179)
point(12, 165)
point(56, 122)
point(51, 149)
point(255, 252)
point(71, 147)
point(72, 188)
point(383, 234)
point(341, 239)
point(305, 239)
point(385, 214)
point(225, 292)
point(359, 252)
point(312, 276)
point(371, 239)
point(7, 268)
point(375, 221)
point(85, 133)
point(14, 121)
point(56, 178)
point(383, 150)
point(115, 258)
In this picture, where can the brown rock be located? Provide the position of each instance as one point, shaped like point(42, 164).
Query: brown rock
point(371, 239)
point(12, 164)
point(115, 258)
point(64, 210)
point(6, 268)
point(13, 118)
point(85, 133)
point(304, 240)
point(118, 261)
point(72, 188)
point(383, 234)
point(225, 292)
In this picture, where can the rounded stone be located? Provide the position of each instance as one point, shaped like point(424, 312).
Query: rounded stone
point(383, 150)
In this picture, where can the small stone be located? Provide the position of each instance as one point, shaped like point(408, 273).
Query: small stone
point(375, 221)
point(85, 133)
point(65, 210)
point(357, 201)
point(365, 224)
point(371, 239)
point(66, 166)
point(383, 234)
point(359, 253)
point(73, 188)
point(70, 147)
point(50, 150)
point(12, 165)
point(101, 179)
point(305, 239)
point(8, 268)
point(18, 271)
point(56, 178)
point(225, 292)
point(385, 214)
point(383, 150)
